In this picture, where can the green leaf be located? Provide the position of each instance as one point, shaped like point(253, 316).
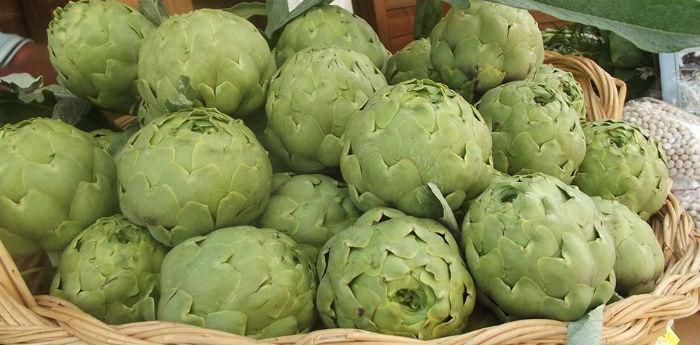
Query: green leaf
point(428, 14)
point(21, 82)
point(248, 9)
point(154, 10)
point(448, 218)
point(652, 25)
point(576, 39)
point(71, 109)
point(624, 53)
point(588, 330)
point(185, 98)
point(278, 14)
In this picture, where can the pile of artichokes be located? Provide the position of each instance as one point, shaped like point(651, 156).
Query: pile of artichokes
point(331, 204)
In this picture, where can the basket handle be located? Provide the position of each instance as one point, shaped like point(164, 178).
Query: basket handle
point(604, 94)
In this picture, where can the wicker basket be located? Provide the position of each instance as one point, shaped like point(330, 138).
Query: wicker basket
point(27, 319)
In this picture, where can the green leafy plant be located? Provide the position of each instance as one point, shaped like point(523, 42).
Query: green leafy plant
point(23, 96)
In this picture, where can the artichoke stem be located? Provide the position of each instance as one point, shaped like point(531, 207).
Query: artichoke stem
point(54, 257)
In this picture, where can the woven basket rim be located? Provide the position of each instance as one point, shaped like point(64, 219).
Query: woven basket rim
point(640, 319)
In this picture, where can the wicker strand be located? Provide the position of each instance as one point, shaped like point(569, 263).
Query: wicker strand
point(639, 319)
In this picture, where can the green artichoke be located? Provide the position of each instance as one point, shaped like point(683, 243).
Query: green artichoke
point(310, 101)
point(243, 280)
point(411, 62)
point(479, 48)
point(94, 46)
point(625, 164)
point(192, 172)
point(308, 208)
point(55, 180)
point(110, 271)
point(640, 259)
point(395, 274)
point(533, 130)
point(105, 137)
point(211, 58)
point(566, 84)
point(537, 249)
point(412, 134)
point(328, 26)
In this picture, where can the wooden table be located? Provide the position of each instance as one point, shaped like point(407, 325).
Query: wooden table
point(688, 330)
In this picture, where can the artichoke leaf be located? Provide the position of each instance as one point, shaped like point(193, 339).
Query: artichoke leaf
point(448, 217)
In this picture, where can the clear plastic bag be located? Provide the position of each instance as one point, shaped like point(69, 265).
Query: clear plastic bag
point(678, 132)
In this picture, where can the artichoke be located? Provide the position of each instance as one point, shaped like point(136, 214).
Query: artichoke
point(640, 260)
point(476, 49)
point(94, 46)
point(205, 58)
point(395, 274)
point(105, 137)
point(625, 164)
point(409, 135)
point(411, 62)
point(111, 271)
point(55, 180)
point(310, 101)
point(192, 172)
point(533, 129)
point(537, 249)
point(564, 82)
point(328, 26)
point(308, 208)
point(243, 280)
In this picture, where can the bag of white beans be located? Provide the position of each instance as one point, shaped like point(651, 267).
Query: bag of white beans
point(678, 132)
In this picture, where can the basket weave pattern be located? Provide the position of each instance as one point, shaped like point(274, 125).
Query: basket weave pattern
point(640, 319)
